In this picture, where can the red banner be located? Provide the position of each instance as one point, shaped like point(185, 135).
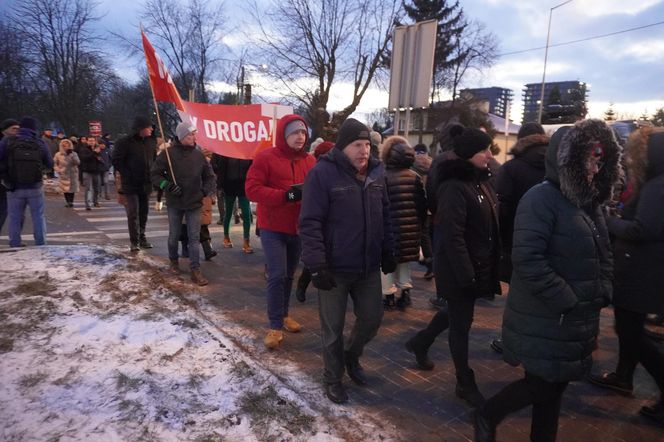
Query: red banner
point(234, 131)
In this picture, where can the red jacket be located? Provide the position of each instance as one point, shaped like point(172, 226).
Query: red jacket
point(271, 174)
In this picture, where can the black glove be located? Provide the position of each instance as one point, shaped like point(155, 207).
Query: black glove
point(323, 279)
point(174, 189)
point(388, 263)
point(294, 194)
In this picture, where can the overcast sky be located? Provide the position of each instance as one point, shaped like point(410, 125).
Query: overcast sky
point(625, 69)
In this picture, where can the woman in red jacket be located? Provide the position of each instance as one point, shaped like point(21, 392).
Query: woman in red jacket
point(274, 181)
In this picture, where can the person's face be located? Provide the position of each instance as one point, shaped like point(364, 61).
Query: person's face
point(83, 140)
point(357, 153)
point(92, 142)
point(481, 158)
point(190, 139)
point(47, 132)
point(11, 131)
point(145, 132)
point(593, 165)
point(296, 139)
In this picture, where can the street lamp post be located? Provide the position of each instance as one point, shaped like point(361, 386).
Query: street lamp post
point(546, 54)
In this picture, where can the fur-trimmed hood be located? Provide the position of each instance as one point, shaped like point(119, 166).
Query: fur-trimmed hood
point(396, 153)
point(645, 155)
point(566, 162)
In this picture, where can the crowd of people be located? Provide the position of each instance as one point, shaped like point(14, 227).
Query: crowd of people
point(358, 211)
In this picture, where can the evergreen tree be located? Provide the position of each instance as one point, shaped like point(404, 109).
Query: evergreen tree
point(609, 114)
point(658, 117)
point(451, 24)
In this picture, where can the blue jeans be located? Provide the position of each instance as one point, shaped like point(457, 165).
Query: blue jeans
point(193, 219)
point(16, 202)
point(282, 253)
point(92, 183)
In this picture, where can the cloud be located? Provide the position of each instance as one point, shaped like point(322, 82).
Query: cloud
point(599, 8)
point(624, 110)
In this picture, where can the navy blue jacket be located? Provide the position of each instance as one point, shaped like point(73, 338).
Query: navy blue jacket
point(24, 133)
point(345, 223)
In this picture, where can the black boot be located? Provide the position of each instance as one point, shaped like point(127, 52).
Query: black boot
point(420, 350)
point(466, 389)
point(404, 300)
point(185, 249)
point(484, 430)
point(354, 369)
point(143, 243)
point(389, 302)
point(207, 250)
point(301, 291)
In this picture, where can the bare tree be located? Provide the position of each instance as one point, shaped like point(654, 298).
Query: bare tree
point(189, 38)
point(64, 66)
point(314, 45)
point(475, 51)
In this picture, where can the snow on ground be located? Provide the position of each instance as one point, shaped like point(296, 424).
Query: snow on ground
point(96, 345)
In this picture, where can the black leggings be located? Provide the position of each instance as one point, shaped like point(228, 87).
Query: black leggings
point(544, 396)
point(635, 347)
point(458, 317)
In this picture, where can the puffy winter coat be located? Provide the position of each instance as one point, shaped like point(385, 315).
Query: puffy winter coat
point(562, 265)
point(639, 234)
point(66, 166)
point(407, 200)
point(271, 175)
point(514, 179)
point(466, 241)
point(133, 157)
point(345, 223)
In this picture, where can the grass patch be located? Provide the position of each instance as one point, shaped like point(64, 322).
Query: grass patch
point(32, 380)
point(267, 406)
point(242, 370)
point(6, 344)
point(185, 323)
point(42, 286)
point(67, 378)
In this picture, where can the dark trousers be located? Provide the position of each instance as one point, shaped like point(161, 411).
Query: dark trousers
point(137, 215)
point(304, 279)
point(544, 396)
point(459, 318)
point(635, 347)
point(425, 239)
point(69, 197)
point(367, 299)
point(282, 253)
point(203, 237)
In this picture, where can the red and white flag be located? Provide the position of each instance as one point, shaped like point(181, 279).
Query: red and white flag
point(234, 131)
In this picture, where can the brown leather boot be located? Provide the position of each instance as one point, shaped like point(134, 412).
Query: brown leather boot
point(197, 278)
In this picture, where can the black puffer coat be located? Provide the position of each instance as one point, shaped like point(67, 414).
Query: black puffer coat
point(466, 242)
point(562, 261)
point(639, 234)
point(407, 200)
point(515, 177)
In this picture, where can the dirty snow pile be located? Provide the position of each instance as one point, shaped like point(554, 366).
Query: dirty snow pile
point(95, 345)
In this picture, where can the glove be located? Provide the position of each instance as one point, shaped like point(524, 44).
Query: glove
point(323, 279)
point(388, 263)
point(293, 194)
point(174, 189)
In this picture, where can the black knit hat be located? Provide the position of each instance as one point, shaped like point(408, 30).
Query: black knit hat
point(6, 124)
point(352, 130)
point(530, 129)
point(469, 141)
point(140, 123)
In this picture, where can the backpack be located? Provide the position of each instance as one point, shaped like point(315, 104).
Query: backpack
point(24, 161)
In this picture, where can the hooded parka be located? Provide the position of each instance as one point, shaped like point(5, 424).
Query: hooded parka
point(562, 264)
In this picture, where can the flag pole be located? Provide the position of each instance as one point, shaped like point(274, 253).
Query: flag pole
point(156, 110)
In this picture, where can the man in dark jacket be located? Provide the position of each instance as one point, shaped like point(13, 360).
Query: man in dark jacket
point(132, 158)
point(346, 239)
point(186, 180)
point(23, 159)
point(92, 165)
point(561, 278)
point(8, 128)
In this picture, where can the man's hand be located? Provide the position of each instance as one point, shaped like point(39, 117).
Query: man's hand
point(323, 279)
point(174, 189)
point(293, 194)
